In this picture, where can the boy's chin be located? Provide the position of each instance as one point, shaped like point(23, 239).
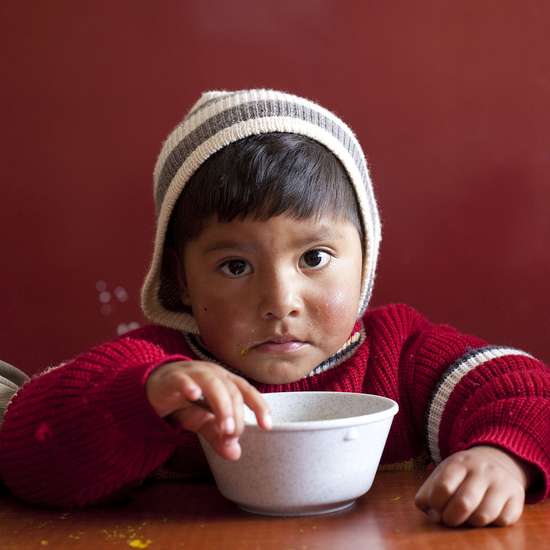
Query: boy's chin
point(278, 372)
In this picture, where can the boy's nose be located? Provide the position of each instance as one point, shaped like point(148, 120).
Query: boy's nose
point(280, 299)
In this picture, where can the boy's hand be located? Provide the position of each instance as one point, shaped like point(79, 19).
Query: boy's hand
point(172, 388)
point(479, 486)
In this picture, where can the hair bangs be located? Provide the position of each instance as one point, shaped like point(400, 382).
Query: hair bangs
point(264, 176)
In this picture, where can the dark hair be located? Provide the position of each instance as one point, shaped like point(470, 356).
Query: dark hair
point(262, 176)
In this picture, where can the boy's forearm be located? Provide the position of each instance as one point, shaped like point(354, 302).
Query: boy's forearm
point(71, 437)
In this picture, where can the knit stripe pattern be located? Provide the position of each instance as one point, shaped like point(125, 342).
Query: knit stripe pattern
point(449, 381)
point(85, 431)
point(218, 119)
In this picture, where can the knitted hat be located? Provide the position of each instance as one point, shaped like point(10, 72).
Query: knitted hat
point(217, 119)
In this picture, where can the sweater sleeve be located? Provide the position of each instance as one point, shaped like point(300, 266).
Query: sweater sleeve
point(84, 430)
point(466, 393)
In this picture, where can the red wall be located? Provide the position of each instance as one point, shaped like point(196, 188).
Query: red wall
point(449, 99)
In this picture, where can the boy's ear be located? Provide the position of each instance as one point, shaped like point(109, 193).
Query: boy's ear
point(176, 266)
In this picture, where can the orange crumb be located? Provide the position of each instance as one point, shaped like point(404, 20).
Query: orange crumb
point(138, 543)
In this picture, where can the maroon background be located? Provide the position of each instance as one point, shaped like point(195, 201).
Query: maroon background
point(449, 99)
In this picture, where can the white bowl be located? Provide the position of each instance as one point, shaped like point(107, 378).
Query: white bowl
point(321, 455)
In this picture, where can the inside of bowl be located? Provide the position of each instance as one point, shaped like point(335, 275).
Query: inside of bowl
point(292, 407)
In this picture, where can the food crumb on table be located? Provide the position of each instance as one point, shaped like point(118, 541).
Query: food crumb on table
point(138, 543)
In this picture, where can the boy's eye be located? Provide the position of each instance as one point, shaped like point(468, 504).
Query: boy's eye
point(315, 259)
point(235, 268)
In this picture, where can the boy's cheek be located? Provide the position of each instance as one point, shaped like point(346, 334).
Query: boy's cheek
point(338, 307)
point(214, 313)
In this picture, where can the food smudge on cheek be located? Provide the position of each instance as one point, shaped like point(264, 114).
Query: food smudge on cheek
point(244, 349)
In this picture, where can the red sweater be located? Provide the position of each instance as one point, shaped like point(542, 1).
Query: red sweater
point(84, 430)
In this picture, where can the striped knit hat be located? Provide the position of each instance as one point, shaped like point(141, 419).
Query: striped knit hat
point(218, 119)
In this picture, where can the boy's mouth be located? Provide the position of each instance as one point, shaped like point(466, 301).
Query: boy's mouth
point(281, 343)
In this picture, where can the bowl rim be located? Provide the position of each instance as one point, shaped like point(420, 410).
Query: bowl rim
point(350, 421)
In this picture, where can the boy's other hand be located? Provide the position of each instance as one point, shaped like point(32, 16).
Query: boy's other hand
point(480, 486)
point(172, 388)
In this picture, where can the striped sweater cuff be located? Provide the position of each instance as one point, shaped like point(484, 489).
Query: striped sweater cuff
point(449, 380)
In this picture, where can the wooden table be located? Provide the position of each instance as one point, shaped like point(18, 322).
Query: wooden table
point(171, 515)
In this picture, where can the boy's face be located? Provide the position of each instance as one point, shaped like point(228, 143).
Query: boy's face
point(273, 299)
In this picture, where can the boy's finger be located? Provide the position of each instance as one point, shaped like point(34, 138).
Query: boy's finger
point(217, 394)
point(254, 399)
point(490, 508)
point(421, 498)
point(238, 407)
point(436, 491)
point(511, 511)
point(227, 446)
point(447, 478)
point(169, 393)
point(466, 501)
point(190, 390)
point(192, 418)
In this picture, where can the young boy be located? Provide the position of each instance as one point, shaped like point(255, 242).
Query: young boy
point(264, 260)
